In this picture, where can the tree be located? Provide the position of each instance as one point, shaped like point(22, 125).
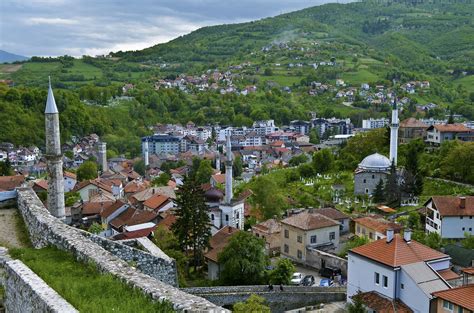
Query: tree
point(468, 241)
point(71, 197)
point(237, 167)
point(282, 273)
point(192, 226)
point(314, 136)
point(298, 159)
point(306, 170)
point(266, 197)
point(6, 168)
point(139, 167)
point(204, 172)
point(378, 195)
point(323, 161)
point(243, 261)
point(268, 72)
point(87, 170)
point(254, 304)
point(414, 221)
point(161, 180)
point(353, 243)
point(357, 306)
point(392, 189)
point(95, 228)
point(414, 181)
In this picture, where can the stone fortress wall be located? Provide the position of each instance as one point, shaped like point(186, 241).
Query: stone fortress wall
point(44, 230)
point(24, 291)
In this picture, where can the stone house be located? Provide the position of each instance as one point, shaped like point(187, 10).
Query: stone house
point(217, 243)
point(450, 216)
point(374, 227)
point(307, 230)
point(270, 231)
point(410, 129)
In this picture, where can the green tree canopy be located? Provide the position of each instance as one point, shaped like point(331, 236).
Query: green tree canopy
point(282, 272)
point(204, 172)
point(254, 304)
point(87, 170)
point(323, 161)
point(243, 260)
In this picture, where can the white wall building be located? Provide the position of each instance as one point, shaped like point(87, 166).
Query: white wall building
point(375, 123)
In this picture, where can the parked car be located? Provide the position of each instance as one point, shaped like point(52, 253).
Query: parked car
point(325, 282)
point(329, 272)
point(308, 280)
point(296, 278)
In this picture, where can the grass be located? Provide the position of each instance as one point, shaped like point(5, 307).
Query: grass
point(21, 231)
point(89, 71)
point(434, 187)
point(83, 285)
point(467, 82)
point(359, 77)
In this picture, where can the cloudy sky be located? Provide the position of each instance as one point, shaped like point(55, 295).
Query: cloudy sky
point(78, 27)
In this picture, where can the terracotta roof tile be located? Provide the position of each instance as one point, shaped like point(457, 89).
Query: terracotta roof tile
point(378, 224)
point(132, 216)
point(451, 128)
point(382, 304)
point(92, 208)
point(112, 208)
point(219, 241)
point(335, 214)
point(451, 206)
point(156, 201)
point(168, 221)
point(309, 221)
point(11, 182)
point(219, 178)
point(70, 175)
point(412, 123)
point(462, 296)
point(41, 183)
point(468, 270)
point(398, 252)
point(270, 226)
point(448, 274)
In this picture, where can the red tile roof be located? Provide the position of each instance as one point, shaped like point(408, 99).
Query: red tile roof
point(111, 209)
point(462, 296)
point(136, 186)
point(219, 241)
point(398, 252)
point(335, 214)
point(448, 274)
point(219, 178)
point(270, 226)
point(452, 128)
point(133, 216)
point(308, 221)
point(412, 123)
point(70, 175)
point(96, 182)
point(92, 208)
point(468, 270)
point(168, 221)
point(134, 234)
point(378, 224)
point(382, 304)
point(156, 201)
point(41, 183)
point(11, 182)
point(451, 205)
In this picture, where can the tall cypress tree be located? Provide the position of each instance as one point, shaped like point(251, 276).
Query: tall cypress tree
point(378, 195)
point(392, 189)
point(192, 226)
point(415, 178)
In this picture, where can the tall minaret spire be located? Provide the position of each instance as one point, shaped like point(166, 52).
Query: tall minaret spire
point(394, 132)
point(218, 159)
point(54, 158)
point(228, 171)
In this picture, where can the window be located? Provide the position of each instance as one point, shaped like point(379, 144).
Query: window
point(227, 217)
point(461, 217)
point(460, 309)
point(358, 228)
point(367, 190)
point(373, 176)
point(365, 180)
point(257, 235)
point(313, 239)
point(470, 228)
point(385, 281)
point(447, 305)
point(299, 254)
point(464, 228)
point(332, 235)
point(299, 238)
point(371, 235)
point(402, 286)
point(363, 231)
point(286, 248)
point(287, 233)
point(212, 216)
point(377, 278)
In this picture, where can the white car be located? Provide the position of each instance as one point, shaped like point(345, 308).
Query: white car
point(296, 278)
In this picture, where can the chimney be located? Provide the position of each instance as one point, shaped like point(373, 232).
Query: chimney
point(462, 203)
point(389, 235)
point(407, 235)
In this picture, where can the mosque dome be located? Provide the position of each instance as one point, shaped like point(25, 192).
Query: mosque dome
point(375, 162)
point(214, 195)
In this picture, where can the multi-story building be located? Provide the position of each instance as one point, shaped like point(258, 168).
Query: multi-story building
point(162, 143)
point(374, 228)
point(270, 231)
point(332, 126)
point(410, 129)
point(396, 274)
point(437, 134)
point(307, 230)
point(375, 123)
point(450, 216)
point(301, 127)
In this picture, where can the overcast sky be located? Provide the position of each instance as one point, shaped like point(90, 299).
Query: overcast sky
point(78, 27)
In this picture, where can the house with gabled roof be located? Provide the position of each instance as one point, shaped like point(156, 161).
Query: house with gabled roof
point(437, 134)
point(374, 227)
point(217, 243)
point(450, 216)
point(396, 274)
point(459, 299)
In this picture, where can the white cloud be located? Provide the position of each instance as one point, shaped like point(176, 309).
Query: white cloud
point(50, 21)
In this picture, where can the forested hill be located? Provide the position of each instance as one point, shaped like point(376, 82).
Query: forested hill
point(416, 34)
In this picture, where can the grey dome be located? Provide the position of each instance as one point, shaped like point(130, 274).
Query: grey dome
point(214, 195)
point(375, 161)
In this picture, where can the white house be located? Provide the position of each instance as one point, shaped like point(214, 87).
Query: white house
point(396, 274)
point(70, 181)
point(450, 216)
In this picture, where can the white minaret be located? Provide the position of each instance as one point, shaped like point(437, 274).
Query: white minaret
point(228, 172)
point(146, 158)
point(102, 149)
point(394, 132)
point(218, 159)
point(54, 158)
